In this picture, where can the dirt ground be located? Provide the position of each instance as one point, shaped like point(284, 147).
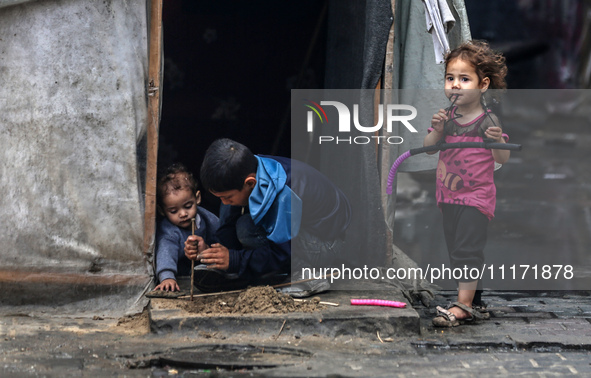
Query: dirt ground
point(254, 300)
point(133, 325)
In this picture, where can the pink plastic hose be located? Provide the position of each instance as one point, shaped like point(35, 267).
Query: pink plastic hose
point(377, 302)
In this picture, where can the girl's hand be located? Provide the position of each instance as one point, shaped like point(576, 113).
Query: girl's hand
point(168, 285)
point(495, 133)
point(438, 120)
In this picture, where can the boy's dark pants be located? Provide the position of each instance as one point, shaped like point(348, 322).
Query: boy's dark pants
point(307, 250)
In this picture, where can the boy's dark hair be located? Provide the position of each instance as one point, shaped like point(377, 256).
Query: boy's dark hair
point(226, 165)
point(175, 177)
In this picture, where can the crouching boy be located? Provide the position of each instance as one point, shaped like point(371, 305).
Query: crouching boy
point(277, 216)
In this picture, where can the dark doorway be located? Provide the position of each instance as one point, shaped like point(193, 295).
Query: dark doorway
point(228, 70)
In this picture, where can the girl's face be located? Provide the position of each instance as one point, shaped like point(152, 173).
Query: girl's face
point(180, 207)
point(461, 80)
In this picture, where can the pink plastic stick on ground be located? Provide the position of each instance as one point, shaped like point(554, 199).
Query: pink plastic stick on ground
point(377, 302)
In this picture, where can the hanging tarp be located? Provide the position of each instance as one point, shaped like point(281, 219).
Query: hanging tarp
point(74, 105)
point(357, 36)
point(584, 69)
point(356, 55)
point(416, 66)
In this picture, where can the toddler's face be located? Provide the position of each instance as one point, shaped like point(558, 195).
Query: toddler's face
point(180, 207)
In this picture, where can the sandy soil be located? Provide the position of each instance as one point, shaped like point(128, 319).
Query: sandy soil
point(254, 300)
point(138, 324)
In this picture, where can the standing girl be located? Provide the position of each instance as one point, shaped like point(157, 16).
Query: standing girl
point(466, 193)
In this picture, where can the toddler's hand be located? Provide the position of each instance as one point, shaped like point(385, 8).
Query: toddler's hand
point(194, 245)
point(438, 120)
point(168, 285)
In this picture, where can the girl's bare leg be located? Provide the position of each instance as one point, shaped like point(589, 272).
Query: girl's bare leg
point(466, 291)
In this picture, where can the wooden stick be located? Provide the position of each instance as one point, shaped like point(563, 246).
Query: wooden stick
point(211, 294)
point(241, 290)
point(379, 338)
point(192, 261)
point(321, 302)
point(283, 325)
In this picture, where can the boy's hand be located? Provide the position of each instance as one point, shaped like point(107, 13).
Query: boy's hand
point(217, 256)
point(193, 246)
point(438, 120)
point(168, 285)
point(495, 133)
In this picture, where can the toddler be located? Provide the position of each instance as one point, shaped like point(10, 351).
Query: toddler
point(178, 200)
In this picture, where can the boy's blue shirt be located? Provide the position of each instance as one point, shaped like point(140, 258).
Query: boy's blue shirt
point(170, 245)
point(272, 203)
point(325, 213)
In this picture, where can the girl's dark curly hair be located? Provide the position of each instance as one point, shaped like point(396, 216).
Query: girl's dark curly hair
point(486, 62)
